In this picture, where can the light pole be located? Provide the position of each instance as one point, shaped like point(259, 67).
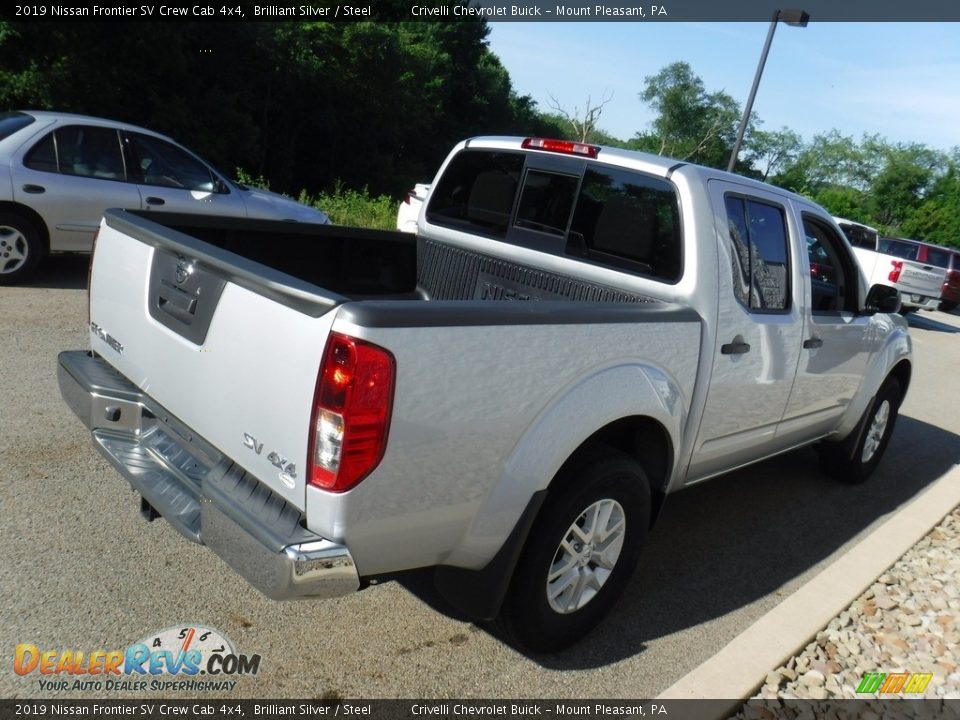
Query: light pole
point(797, 18)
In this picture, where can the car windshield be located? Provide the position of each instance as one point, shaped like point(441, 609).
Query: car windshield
point(10, 122)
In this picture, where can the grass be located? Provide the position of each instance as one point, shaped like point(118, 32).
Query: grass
point(345, 206)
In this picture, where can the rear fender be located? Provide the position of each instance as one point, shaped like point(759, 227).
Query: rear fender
point(571, 419)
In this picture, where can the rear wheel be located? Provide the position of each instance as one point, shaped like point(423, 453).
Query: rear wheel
point(837, 460)
point(947, 306)
point(580, 553)
point(20, 249)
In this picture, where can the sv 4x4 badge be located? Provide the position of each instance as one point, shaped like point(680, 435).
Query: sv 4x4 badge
point(288, 471)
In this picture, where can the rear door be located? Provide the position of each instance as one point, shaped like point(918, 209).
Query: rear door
point(229, 347)
point(759, 326)
point(70, 176)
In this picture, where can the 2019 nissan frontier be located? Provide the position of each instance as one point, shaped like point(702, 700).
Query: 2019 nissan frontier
point(507, 396)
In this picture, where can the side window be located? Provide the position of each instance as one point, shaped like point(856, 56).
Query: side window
point(43, 155)
point(79, 150)
point(628, 220)
point(757, 233)
point(860, 236)
point(833, 275)
point(160, 163)
point(477, 191)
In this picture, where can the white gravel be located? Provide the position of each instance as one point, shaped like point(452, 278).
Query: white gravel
point(908, 621)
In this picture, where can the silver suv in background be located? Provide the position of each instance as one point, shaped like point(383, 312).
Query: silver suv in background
point(59, 172)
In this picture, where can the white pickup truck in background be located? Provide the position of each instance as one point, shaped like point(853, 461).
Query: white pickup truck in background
point(892, 262)
point(507, 396)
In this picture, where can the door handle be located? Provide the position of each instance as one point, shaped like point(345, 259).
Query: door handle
point(737, 347)
point(812, 343)
point(153, 200)
point(34, 189)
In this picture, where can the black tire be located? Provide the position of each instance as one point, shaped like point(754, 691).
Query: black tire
point(947, 306)
point(907, 310)
point(836, 459)
point(610, 486)
point(20, 249)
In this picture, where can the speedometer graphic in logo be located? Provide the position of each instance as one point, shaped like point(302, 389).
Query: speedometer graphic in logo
point(197, 642)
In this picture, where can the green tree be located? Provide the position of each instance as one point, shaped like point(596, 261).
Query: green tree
point(691, 123)
point(770, 152)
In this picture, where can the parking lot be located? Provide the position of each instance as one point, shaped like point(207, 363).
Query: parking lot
point(83, 571)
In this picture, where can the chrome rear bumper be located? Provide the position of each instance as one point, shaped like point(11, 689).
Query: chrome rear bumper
point(202, 493)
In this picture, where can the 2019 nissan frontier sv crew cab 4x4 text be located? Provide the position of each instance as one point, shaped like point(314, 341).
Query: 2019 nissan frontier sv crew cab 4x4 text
point(574, 333)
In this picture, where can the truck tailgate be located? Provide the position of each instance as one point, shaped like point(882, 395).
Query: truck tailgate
point(199, 329)
point(920, 279)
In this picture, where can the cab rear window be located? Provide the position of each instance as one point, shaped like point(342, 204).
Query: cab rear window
point(604, 215)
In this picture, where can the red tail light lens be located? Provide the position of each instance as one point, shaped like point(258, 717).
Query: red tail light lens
point(351, 413)
point(897, 269)
point(566, 147)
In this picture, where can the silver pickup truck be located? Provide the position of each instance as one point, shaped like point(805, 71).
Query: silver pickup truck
point(507, 396)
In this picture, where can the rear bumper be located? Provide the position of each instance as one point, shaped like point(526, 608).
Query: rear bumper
point(202, 493)
point(920, 302)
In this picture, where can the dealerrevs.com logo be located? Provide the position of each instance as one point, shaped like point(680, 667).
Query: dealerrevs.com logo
point(188, 658)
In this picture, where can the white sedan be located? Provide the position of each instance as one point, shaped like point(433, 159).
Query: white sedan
point(59, 172)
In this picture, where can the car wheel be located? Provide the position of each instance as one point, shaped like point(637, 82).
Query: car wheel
point(947, 306)
point(20, 249)
point(580, 553)
point(837, 460)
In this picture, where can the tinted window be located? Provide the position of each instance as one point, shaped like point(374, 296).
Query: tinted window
point(79, 150)
point(43, 155)
point(899, 248)
point(758, 251)
point(477, 191)
point(10, 122)
point(860, 236)
point(938, 257)
point(546, 201)
point(628, 219)
point(90, 152)
point(160, 163)
point(833, 278)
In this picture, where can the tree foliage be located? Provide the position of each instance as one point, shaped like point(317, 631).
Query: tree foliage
point(374, 105)
point(905, 189)
point(691, 124)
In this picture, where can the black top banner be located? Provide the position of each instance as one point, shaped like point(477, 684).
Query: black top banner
point(489, 10)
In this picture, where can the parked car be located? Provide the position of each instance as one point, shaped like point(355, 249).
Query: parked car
point(59, 172)
point(948, 259)
point(409, 210)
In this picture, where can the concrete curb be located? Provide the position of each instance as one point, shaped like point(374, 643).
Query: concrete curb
point(739, 669)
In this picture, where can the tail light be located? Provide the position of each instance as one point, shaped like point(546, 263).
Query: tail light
point(351, 413)
point(897, 269)
point(93, 250)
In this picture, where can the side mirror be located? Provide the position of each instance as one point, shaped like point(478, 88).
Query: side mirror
point(882, 298)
